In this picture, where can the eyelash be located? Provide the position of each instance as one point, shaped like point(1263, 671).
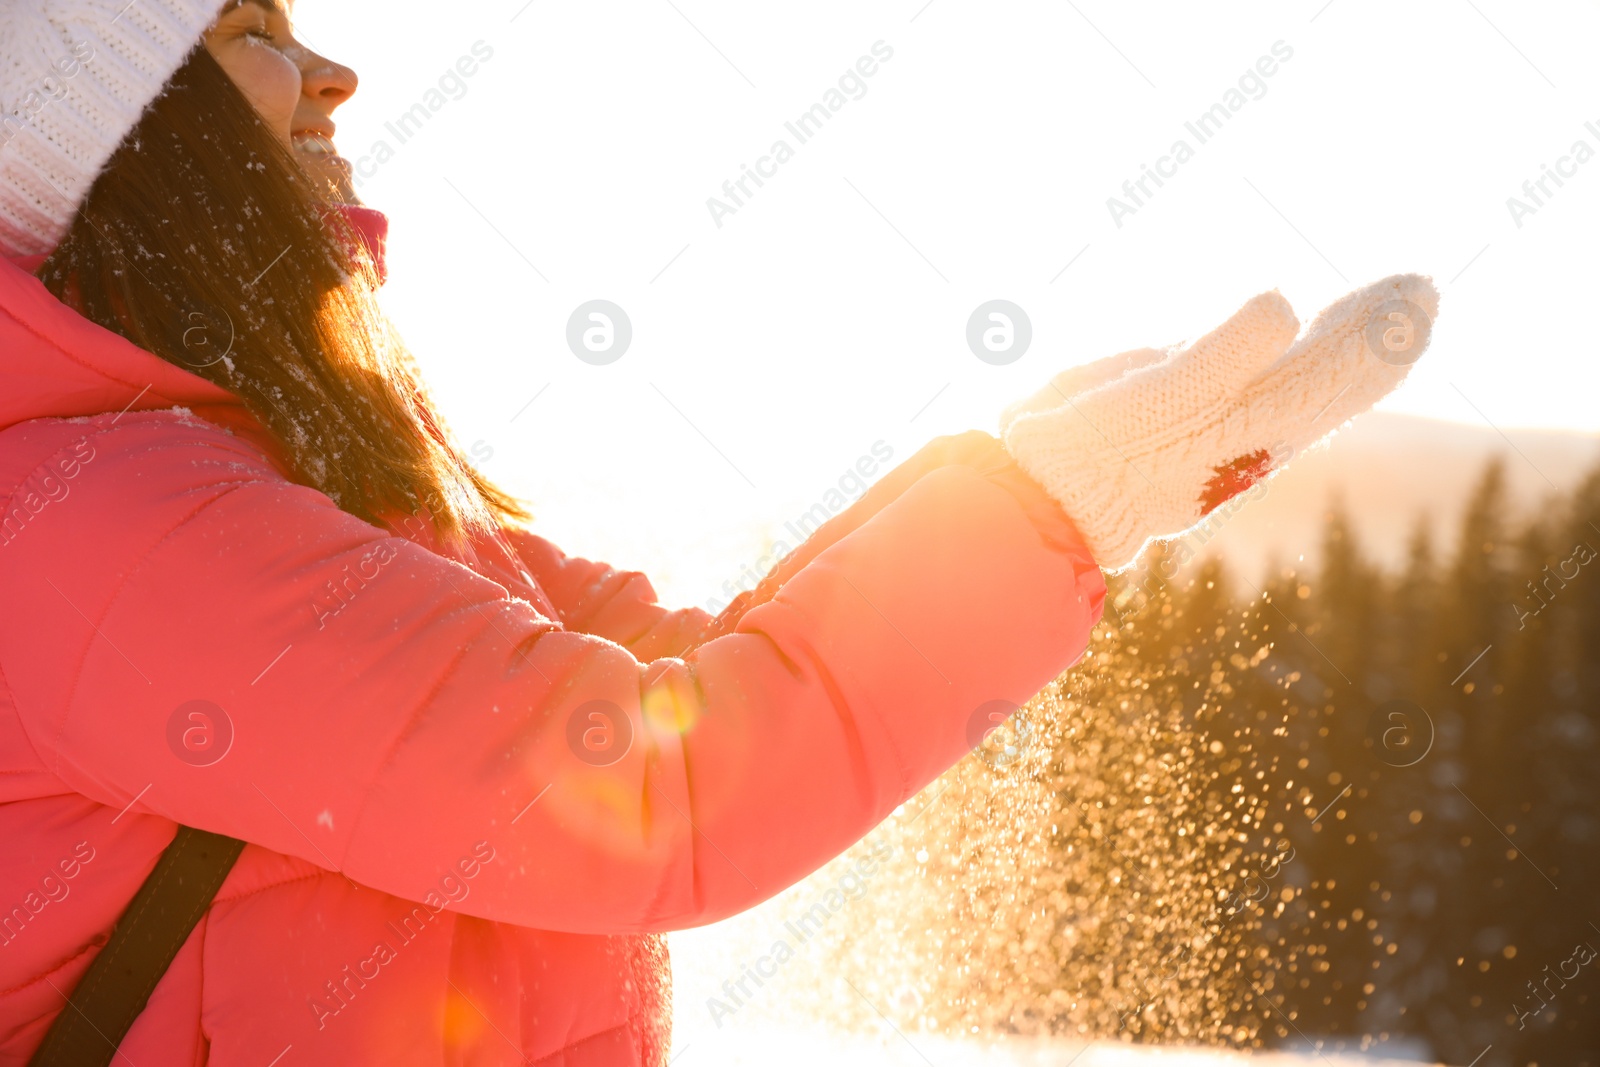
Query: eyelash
point(260, 34)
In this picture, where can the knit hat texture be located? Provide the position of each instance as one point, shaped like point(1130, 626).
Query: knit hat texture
point(75, 75)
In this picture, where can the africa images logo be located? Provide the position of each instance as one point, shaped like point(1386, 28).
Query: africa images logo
point(199, 733)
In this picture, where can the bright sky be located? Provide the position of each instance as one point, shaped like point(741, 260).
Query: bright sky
point(829, 312)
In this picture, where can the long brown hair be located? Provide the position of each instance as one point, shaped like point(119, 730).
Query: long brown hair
point(203, 227)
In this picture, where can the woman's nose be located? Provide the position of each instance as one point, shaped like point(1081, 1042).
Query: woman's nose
point(327, 81)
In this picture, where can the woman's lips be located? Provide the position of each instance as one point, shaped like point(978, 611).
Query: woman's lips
point(316, 150)
point(313, 143)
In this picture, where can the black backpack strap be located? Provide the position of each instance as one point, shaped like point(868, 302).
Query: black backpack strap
point(143, 944)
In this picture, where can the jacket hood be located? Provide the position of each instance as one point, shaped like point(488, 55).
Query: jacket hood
point(54, 363)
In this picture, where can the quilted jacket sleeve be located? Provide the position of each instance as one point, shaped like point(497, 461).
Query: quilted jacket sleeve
point(391, 714)
point(597, 598)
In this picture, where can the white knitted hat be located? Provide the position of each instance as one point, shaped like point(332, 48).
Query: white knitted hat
point(75, 75)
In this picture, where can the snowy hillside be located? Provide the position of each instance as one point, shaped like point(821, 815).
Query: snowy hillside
point(1390, 470)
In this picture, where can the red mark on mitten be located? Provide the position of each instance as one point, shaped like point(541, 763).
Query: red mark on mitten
point(1234, 478)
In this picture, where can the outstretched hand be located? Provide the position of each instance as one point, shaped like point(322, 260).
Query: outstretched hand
point(1147, 443)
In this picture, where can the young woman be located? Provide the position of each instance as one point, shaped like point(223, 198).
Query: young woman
point(251, 586)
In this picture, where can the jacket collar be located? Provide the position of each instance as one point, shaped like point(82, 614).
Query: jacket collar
point(54, 363)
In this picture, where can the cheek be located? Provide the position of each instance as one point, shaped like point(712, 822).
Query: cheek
point(268, 80)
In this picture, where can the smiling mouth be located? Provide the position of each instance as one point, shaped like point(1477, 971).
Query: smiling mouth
point(317, 152)
point(314, 143)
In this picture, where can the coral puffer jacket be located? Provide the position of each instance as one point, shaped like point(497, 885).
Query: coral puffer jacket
point(477, 785)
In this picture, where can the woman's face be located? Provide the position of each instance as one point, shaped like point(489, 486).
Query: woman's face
point(294, 89)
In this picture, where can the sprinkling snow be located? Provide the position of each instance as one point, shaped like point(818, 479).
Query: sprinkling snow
point(892, 1048)
point(187, 417)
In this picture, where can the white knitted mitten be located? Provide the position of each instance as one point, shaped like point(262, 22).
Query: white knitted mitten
point(1069, 383)
point(1146, 444)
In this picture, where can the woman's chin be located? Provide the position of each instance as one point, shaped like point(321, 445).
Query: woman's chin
point(331, 168)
